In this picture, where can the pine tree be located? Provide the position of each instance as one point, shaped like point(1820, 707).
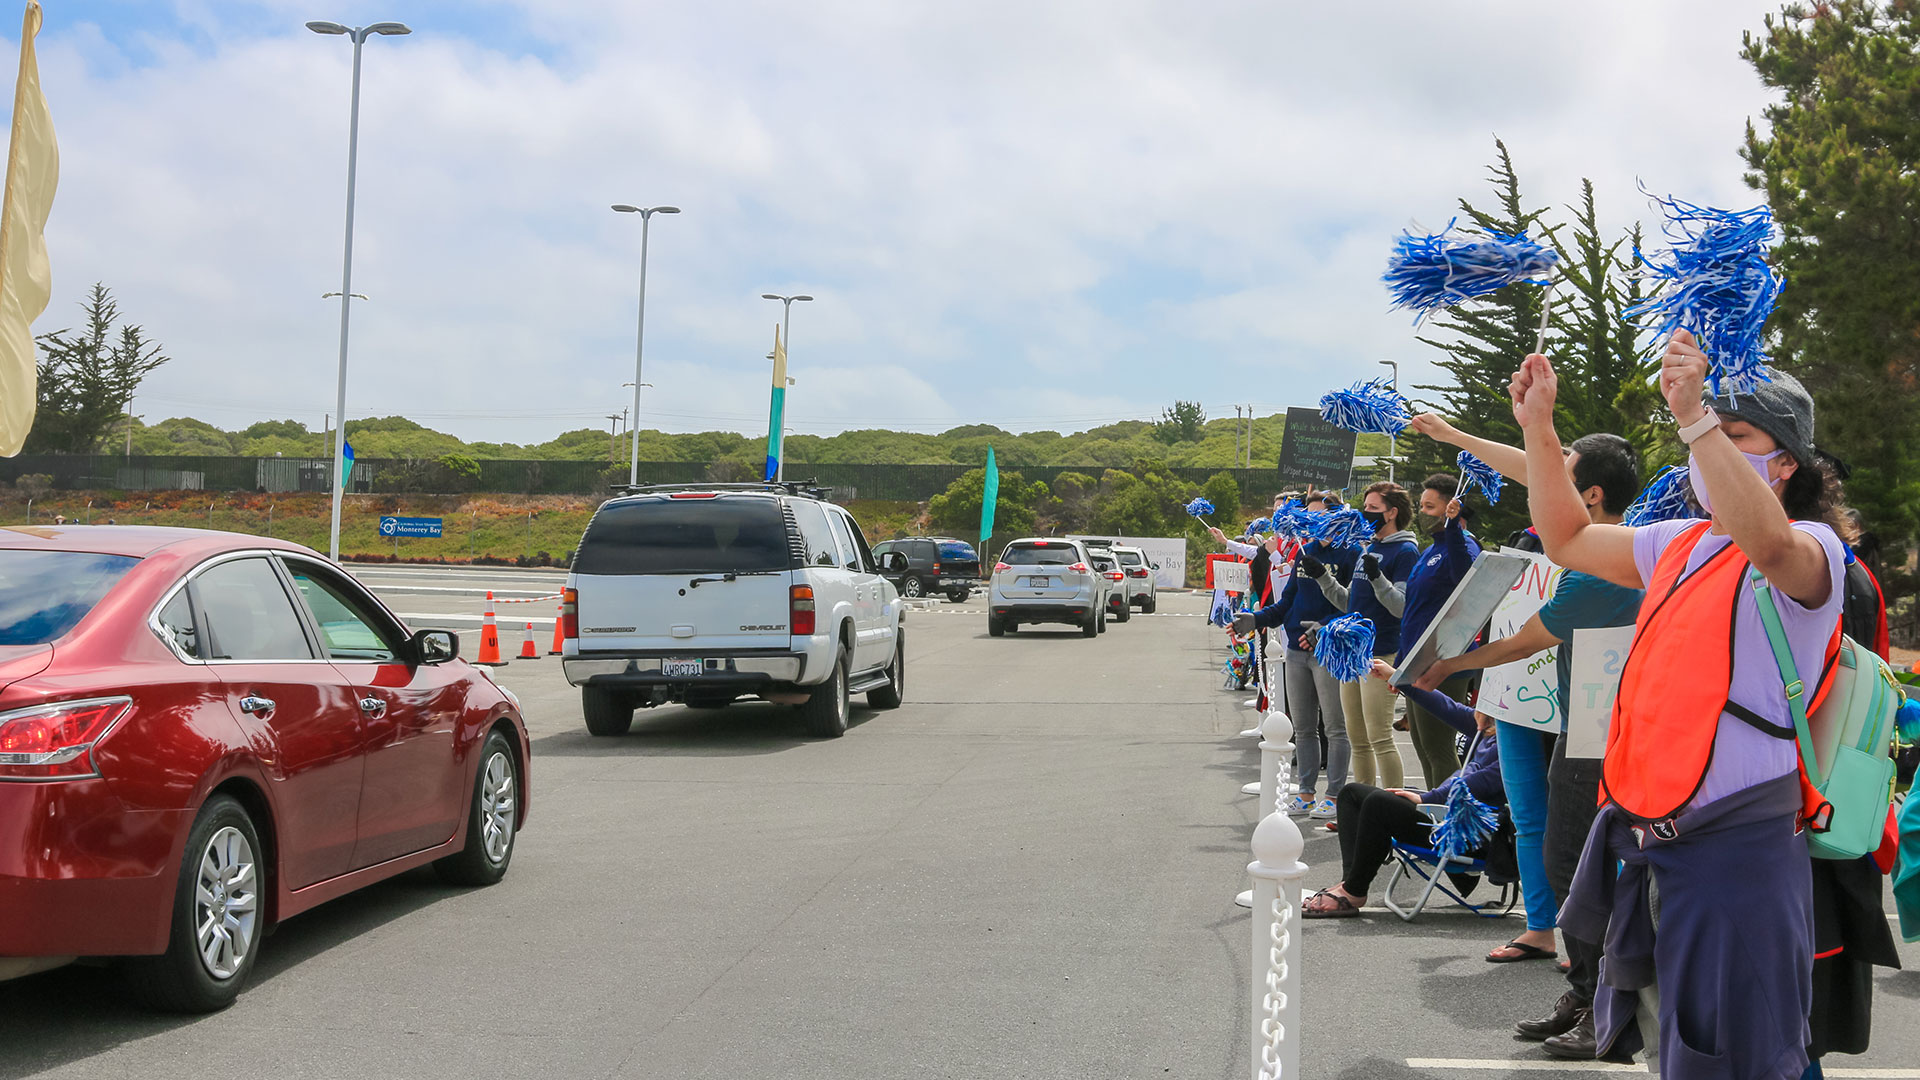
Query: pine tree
point(87, 380)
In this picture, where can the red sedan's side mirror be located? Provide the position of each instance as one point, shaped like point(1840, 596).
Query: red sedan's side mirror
point(434, 646)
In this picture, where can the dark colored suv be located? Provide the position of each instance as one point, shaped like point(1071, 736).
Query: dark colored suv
point(934, 564)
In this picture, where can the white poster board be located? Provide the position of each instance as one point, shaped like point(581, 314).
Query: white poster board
point(1526, 691)
point(1598, 656)
point(1231, 576)
point(1485, 586)
point(1167, 555)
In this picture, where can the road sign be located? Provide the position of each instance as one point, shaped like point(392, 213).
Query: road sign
point(1315, 452)
point(410, 526)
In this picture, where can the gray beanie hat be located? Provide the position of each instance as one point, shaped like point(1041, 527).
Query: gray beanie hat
point(1782, 408)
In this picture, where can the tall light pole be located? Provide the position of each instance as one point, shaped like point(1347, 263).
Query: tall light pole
point(786, 342)
point(640, 335)
point(1393, 442)
point(359, 34)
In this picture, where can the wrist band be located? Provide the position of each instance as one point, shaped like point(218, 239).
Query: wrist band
point(1700, 427)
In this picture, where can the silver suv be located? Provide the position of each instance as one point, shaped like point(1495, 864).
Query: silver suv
point(1046, 580)
point(1142, 589)
point(707, 594)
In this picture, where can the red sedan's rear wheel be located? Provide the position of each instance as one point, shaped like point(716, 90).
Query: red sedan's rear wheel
point(217, 916)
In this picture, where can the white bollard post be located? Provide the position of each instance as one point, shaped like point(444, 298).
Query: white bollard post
point(1276, 757)
point(1277, 872)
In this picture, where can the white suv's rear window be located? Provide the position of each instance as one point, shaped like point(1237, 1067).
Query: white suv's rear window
point(1128, 558)
point(1039, 555)
point(685, 536)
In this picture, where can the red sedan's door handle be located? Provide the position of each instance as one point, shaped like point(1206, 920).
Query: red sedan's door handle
point(373, 706)
point(256, 705)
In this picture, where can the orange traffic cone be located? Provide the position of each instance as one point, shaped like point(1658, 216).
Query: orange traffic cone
point(558, 641)
point(490, 639)
point(527, 651)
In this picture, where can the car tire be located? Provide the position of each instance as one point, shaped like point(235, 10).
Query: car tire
point(223, 858)
point(493, 818)
point(1101, 622)
point(1090, 628)
point(1125, 612)
point(890, 695)
point(996, 626)
point(826, 711)
point(1147, 608)
point(912, 588)
point(609, 712)
point(959, 596)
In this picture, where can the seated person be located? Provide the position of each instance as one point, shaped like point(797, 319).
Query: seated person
point(1369, 816)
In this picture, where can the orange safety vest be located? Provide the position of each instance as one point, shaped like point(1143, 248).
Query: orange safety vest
point(1675, 683)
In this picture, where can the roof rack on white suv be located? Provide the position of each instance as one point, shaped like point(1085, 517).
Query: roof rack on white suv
point(809, 488)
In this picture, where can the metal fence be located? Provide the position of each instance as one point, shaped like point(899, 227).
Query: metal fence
point(109, 472)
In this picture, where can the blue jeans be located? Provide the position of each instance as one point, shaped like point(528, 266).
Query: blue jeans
point(1524, 755)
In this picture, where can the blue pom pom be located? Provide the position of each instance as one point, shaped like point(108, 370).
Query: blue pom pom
point(1664, 500)
point(1477, 473)
point(1199, 508)
point(1715, 283)
point(1367, 406)
point(1345, 648)
point(1469, 823)
point(1221, 614)
point(1906, 722)
point(1343, 528)
point(1259, 527)
point(1292, 520)
point(1439, 270)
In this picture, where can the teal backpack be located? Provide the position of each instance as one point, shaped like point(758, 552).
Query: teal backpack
point(1846, 744)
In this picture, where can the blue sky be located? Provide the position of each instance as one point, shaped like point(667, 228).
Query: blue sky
point(1042, 216)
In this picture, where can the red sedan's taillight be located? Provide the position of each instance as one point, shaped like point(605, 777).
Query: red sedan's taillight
point(570, 613)
point(54, 742)
point(800, 610)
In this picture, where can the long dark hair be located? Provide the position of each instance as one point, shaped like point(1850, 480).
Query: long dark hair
point(1814, 493)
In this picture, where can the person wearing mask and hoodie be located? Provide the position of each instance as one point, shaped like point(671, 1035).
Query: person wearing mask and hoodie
point(1379, 594)
point(1438, 572)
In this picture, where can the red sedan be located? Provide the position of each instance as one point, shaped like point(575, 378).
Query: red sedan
point(203, 733)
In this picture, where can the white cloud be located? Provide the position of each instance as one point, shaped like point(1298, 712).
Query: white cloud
point(1061, 210)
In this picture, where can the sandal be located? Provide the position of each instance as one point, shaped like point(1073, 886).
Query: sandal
point(1527, 952)
point(1334, 906)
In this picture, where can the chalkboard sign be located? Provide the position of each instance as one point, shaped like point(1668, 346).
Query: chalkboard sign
point(1315, 452)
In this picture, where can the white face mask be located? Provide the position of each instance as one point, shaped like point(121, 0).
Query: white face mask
point(1758, 461)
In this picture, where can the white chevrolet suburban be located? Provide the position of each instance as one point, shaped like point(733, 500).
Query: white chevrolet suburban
point(705, 594)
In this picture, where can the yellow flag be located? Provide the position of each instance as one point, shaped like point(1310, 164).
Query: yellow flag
point(33, 171)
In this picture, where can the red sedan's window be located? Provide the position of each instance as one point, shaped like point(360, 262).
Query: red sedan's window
point(347, 628)
point(44, 594)
point(248, 614)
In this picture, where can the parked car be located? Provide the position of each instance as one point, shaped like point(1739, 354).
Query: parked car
point(1142, 589)
point(935, 564)
point(1107, 566)
point(1046, 580)
point(705, 594)
point(204, 734)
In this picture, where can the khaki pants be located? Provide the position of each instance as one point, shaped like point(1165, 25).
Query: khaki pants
point(1368, 705)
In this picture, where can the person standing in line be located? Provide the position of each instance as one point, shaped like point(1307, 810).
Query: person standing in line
point(1701, 777)
point(1377, 593)
point(1313, 694)
point(1555, 797)
point(1435, 575)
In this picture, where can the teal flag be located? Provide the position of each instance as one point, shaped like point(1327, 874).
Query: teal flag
point(989, 496)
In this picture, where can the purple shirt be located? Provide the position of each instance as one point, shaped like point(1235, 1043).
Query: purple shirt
point(1743, 756)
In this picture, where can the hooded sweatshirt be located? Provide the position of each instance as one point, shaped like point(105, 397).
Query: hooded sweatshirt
point(1381, 597)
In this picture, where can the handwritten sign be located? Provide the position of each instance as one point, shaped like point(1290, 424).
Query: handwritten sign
point(1526, 691)
point(1314, 452)
point(1594, 679)
point(1231, 576)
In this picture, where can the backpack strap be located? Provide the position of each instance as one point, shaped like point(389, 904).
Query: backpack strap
point(1820, 811)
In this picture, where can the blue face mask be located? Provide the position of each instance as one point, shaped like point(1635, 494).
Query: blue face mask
point(1758, 461)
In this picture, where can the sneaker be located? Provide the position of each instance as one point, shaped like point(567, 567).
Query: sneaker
point(1300, 804)
point(1324, 809)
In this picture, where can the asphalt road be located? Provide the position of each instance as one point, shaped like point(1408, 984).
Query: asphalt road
point(1026, 871)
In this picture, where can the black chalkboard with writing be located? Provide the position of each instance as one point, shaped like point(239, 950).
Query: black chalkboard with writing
point(1314, 452)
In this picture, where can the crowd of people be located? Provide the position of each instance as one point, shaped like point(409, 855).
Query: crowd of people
point(1674, 871)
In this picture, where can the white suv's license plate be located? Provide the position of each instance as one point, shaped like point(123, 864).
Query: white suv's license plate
point(1040, 582)
point(682, 667)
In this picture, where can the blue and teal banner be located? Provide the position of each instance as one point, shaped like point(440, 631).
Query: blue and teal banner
point(989, 497)
point(776, 412)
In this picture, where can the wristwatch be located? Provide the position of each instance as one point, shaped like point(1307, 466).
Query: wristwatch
point(1707, 422)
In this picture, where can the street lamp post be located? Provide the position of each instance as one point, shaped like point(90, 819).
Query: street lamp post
point(359, 34)
point(786, 342)
point(640, 334)
point(1393, 442)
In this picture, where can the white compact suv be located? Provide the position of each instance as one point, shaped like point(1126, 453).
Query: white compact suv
point(1141, 587)
point(1046, 580)
point(705, 594)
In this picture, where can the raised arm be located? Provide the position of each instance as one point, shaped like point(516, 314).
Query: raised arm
point(1508, 461)
point(1571, 538)
point(1743, 504)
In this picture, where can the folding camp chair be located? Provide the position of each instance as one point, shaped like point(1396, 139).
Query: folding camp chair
point(1416, 864)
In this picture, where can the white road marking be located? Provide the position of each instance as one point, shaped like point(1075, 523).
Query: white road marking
point(1522, 1065)
point(449, 589)
point(427, 618)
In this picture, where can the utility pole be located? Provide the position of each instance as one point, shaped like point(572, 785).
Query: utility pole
point(613, 437)
point(1236, 436)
